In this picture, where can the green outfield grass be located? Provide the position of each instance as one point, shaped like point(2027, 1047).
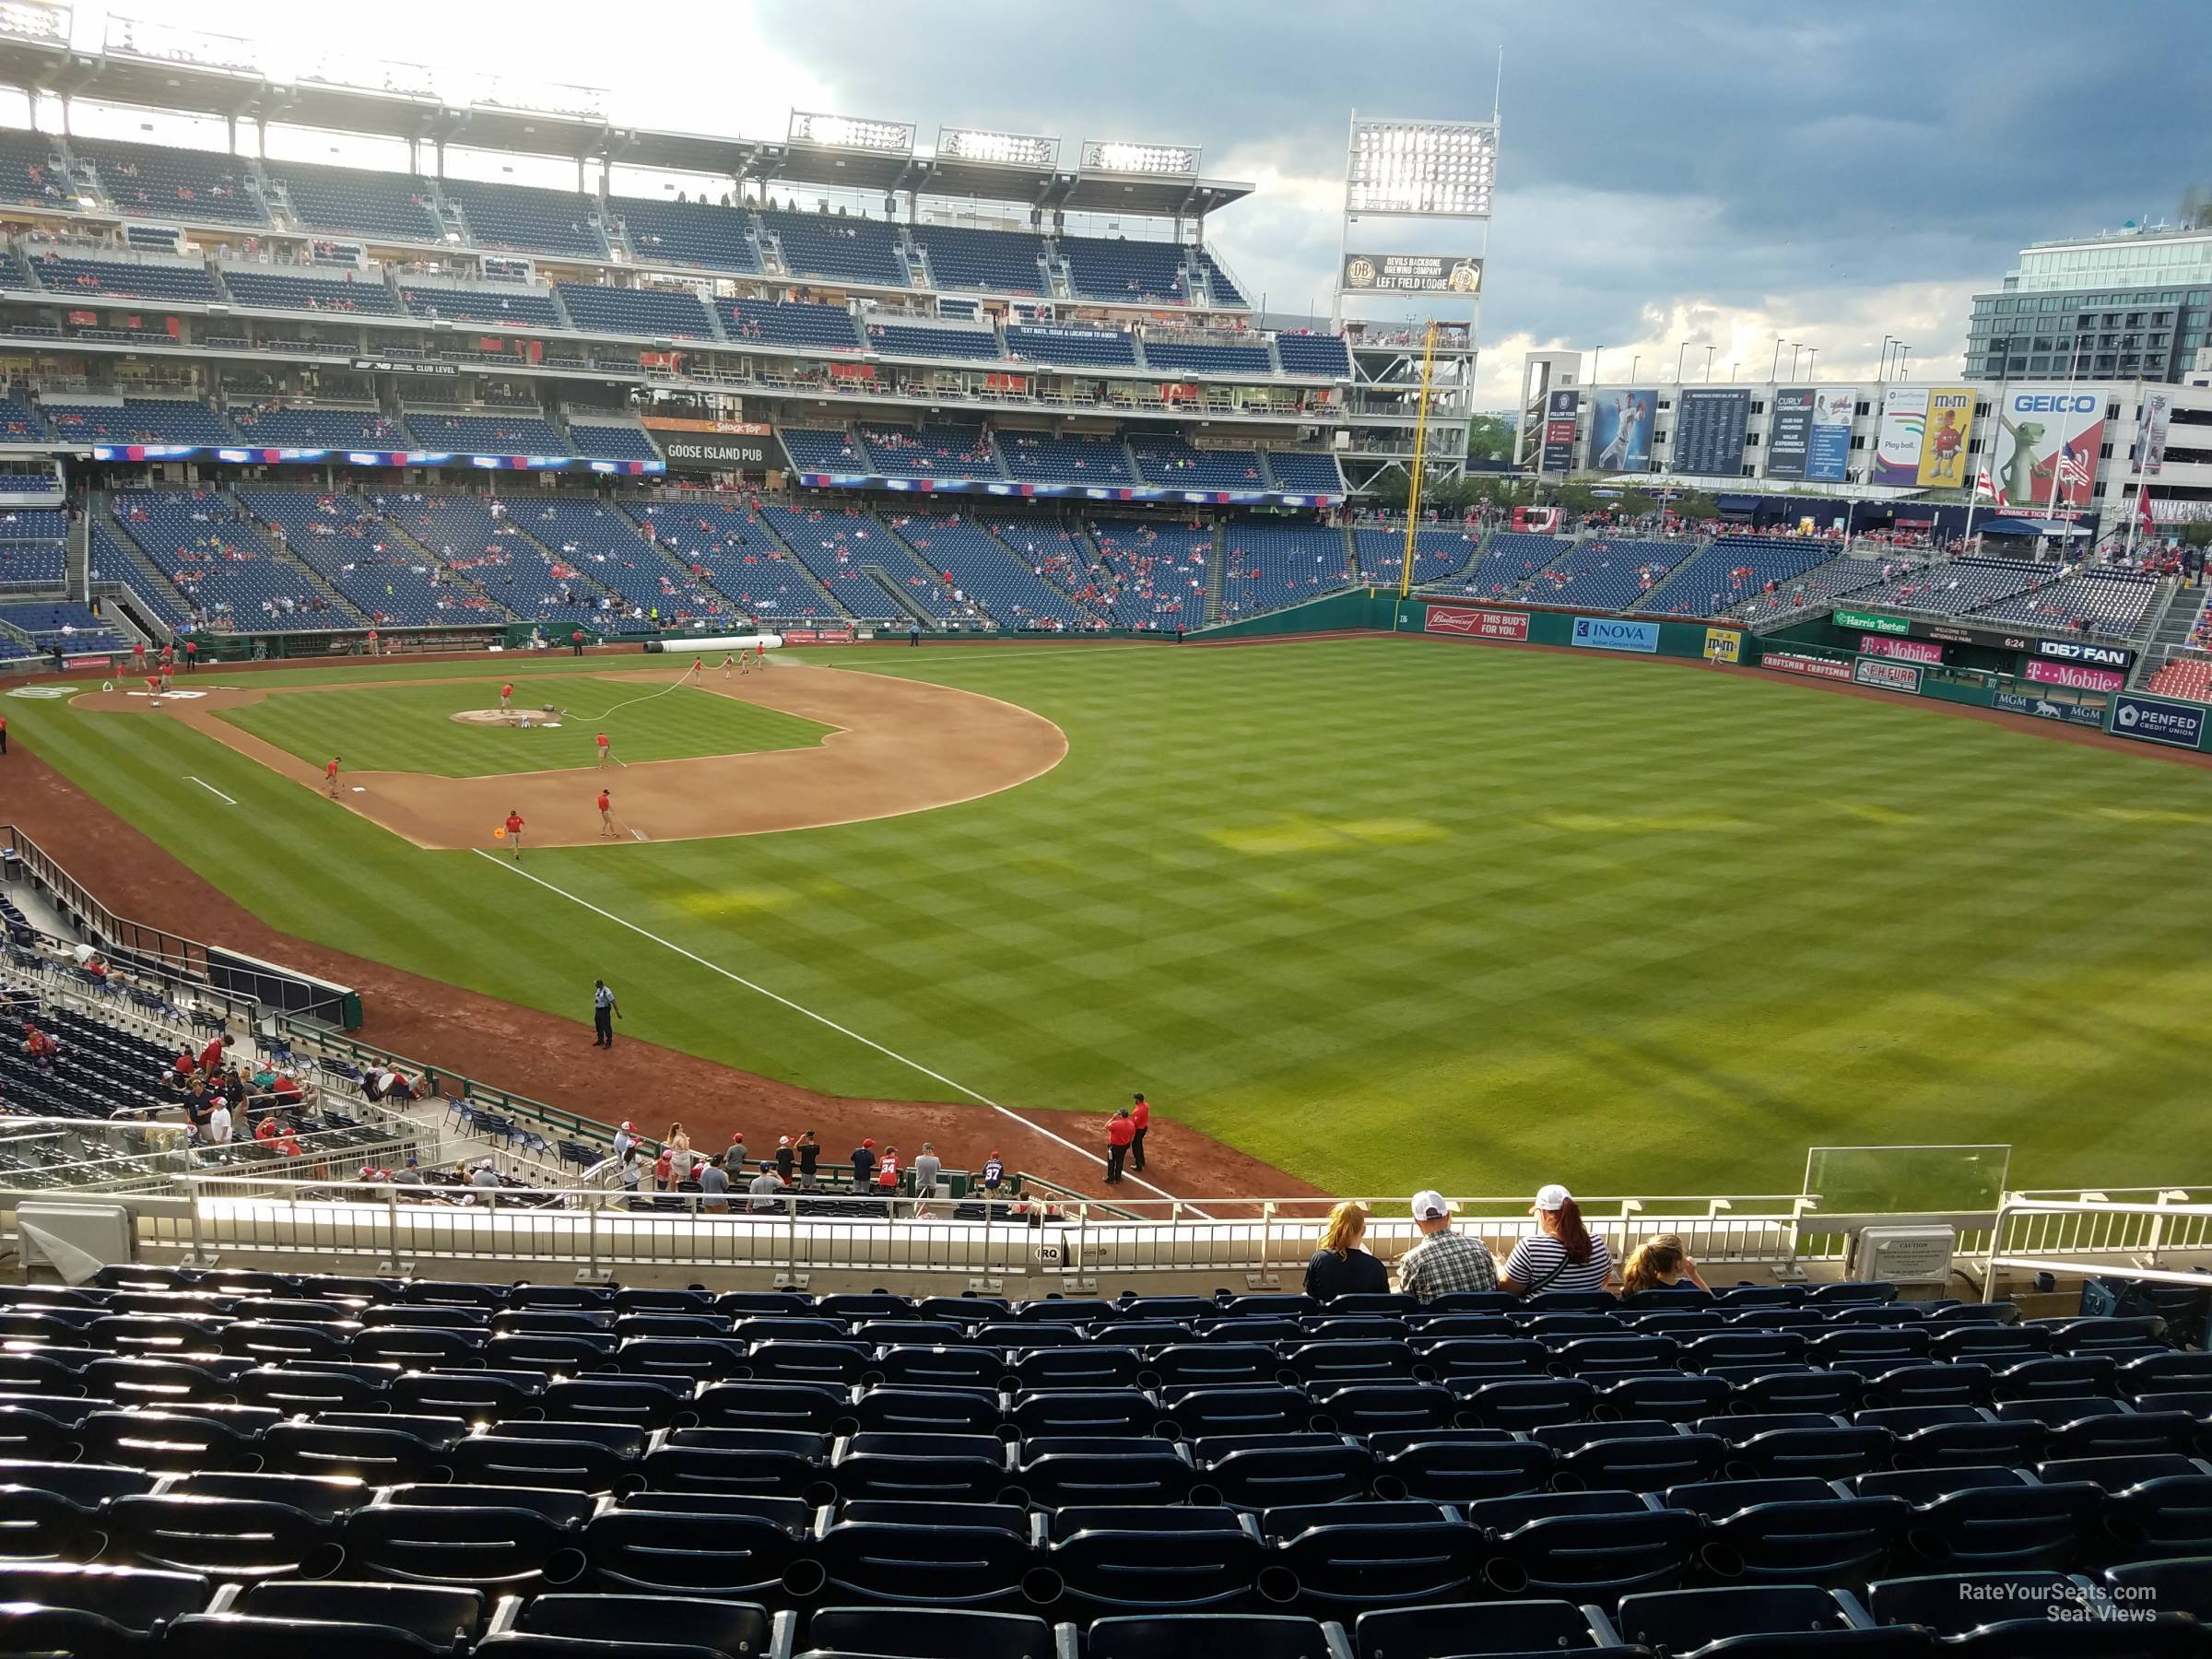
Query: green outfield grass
point(411, 728)
point(1387, 913)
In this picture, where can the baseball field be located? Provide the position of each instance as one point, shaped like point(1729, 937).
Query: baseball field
point(1383, 912)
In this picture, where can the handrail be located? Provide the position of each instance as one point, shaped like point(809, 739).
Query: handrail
point(2075, 1241)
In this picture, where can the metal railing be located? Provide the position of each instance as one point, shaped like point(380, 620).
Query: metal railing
point(2089, 1234)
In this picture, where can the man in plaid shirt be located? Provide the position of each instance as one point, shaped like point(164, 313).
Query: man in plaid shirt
point(1443, 1261)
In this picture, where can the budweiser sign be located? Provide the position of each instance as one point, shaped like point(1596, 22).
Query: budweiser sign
point(1477, 623)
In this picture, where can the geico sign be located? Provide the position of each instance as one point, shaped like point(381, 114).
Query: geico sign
point(2053, 403)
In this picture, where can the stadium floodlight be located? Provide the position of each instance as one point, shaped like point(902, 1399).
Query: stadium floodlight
point(364, 75)
point(1421, 169)
point(139, 38)
point(850, 132)
point(34, 21)
point(1014, 149)
point(1112, 156)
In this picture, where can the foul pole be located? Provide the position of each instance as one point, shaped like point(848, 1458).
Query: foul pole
point(1420, 453)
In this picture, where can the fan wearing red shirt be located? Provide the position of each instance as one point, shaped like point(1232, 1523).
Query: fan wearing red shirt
point(515, 833)
point(1140, 1115)
point(211, 1057)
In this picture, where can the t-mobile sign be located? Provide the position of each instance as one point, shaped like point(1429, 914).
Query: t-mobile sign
point(2072, 674)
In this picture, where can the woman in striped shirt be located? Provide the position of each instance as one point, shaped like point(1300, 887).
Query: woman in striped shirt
point(1563, 1256)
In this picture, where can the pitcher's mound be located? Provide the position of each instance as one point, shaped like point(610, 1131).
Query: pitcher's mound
point(546, 718)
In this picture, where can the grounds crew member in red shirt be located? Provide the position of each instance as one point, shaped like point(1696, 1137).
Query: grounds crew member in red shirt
point(1120, 1131)
point(605, 746)
point(3, 734)
point(576, 640)
point(506, 692)
point(1140, 1115)
point(515, 833)
point(192, 656)
point(330, 777)
point(607, 813)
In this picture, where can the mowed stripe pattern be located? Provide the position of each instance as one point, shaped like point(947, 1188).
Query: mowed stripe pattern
point(1387, 913)
point(411, 728)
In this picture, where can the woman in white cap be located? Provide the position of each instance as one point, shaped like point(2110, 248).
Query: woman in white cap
point(1563, 1256)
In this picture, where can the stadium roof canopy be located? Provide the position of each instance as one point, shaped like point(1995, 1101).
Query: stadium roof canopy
point(408, 107)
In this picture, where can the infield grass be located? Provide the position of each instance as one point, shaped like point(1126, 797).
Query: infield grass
point(1389, 913)
point(411, 727)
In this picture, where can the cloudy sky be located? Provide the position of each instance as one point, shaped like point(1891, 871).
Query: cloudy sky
point(1720, 174)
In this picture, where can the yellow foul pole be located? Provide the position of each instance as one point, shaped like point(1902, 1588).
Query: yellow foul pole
point(1420, 455)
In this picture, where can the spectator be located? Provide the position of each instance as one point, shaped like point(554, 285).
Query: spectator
point(1444, 1261)
point(733, 1158)
point(679, 1145)
point(1140, 1115)
point(785, 1157)
point(994, 1172)
point(765, 1190)
point(485, 1179)
point(1660, 1263)
point(1120, 1132)
point(219, 1123)
point(625, 1139)
point(664, 1170)
point(1563, 1256)
point(926, 1170)
point(810, 1158)
point(1340, 1268)
point(633, 1174)
point(41, 1046)
point(863, 1166)
point(715, 1187)
point(886, 1174)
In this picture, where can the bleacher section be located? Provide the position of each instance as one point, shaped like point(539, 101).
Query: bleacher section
point(805, 327)
point(1209, 360)
point(1174, 464)
point(391, 582)
point(1039, 458)
point(1439, 553)
point(68, 627)
point(1126, 273)
point(320, 427)
point(815, 450)
point(276, 290)
point(523, 219)
point(2187, 677)
point(497, 556)
point(86, 275)
point(611, 440)
point(20, 423)
point(517, 433)
point(218, 561)
point(931, 451)
point(494, 307)
point(2109, 603)
point(1266, 565)
point(146, 182)
point(651, 312)
point(1814, 587)
point(30, 173)
point(1105, 347)
point(1156, 572)
point(33, 554)
point(687, 233)
point(1004, 261)
point(721, 541)
point(1606, 574)
point(1224, 291)
point(845, 248)
point(1302, 472)
point(606, 545)
point(834, 547)
point(905, 339)
point(1312, 354)
point(1955, 588)
point(1734, 569)
point(115, 558)
point(356, 202)
point(156, 421)
point(984, 571)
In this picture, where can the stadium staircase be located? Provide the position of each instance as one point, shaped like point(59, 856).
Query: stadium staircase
point(396, 534)
point(796, 565)
point(2168, 634)
point(276, 553)
point(78, 580)
point(163, 595)
point(906, 608)
point(1213, 584)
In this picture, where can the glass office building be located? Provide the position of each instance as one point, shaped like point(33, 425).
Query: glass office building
point(2131, 304)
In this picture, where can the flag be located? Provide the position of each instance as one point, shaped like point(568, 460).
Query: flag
point(2073, 470)
point(2143, 505)
point(1985, 488)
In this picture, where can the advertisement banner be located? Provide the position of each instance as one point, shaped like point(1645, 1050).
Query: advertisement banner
point(2071, 708)
point(1872, 622)
point(1828, 455)
point(1907, 651)
point(1904, 426)
point(1724, 645)
point(1812, 667)
point(2152, 720)
point(703, 454)
point(1620, 431)
point(2072, 674)
point(1950, 425)
point(1412, 274)
point(727, 428)
point(1608, 633)
point(1559, 433)
point(1477, 623)
point(2081, 650)
point(1710, 422)
point(817, 636)
point(1790, 432)
point(2151, 422)
point(1885, 675)
point(2046, 446)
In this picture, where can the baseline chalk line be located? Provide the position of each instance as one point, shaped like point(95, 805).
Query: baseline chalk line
point(211, 789)
point(738, 978)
